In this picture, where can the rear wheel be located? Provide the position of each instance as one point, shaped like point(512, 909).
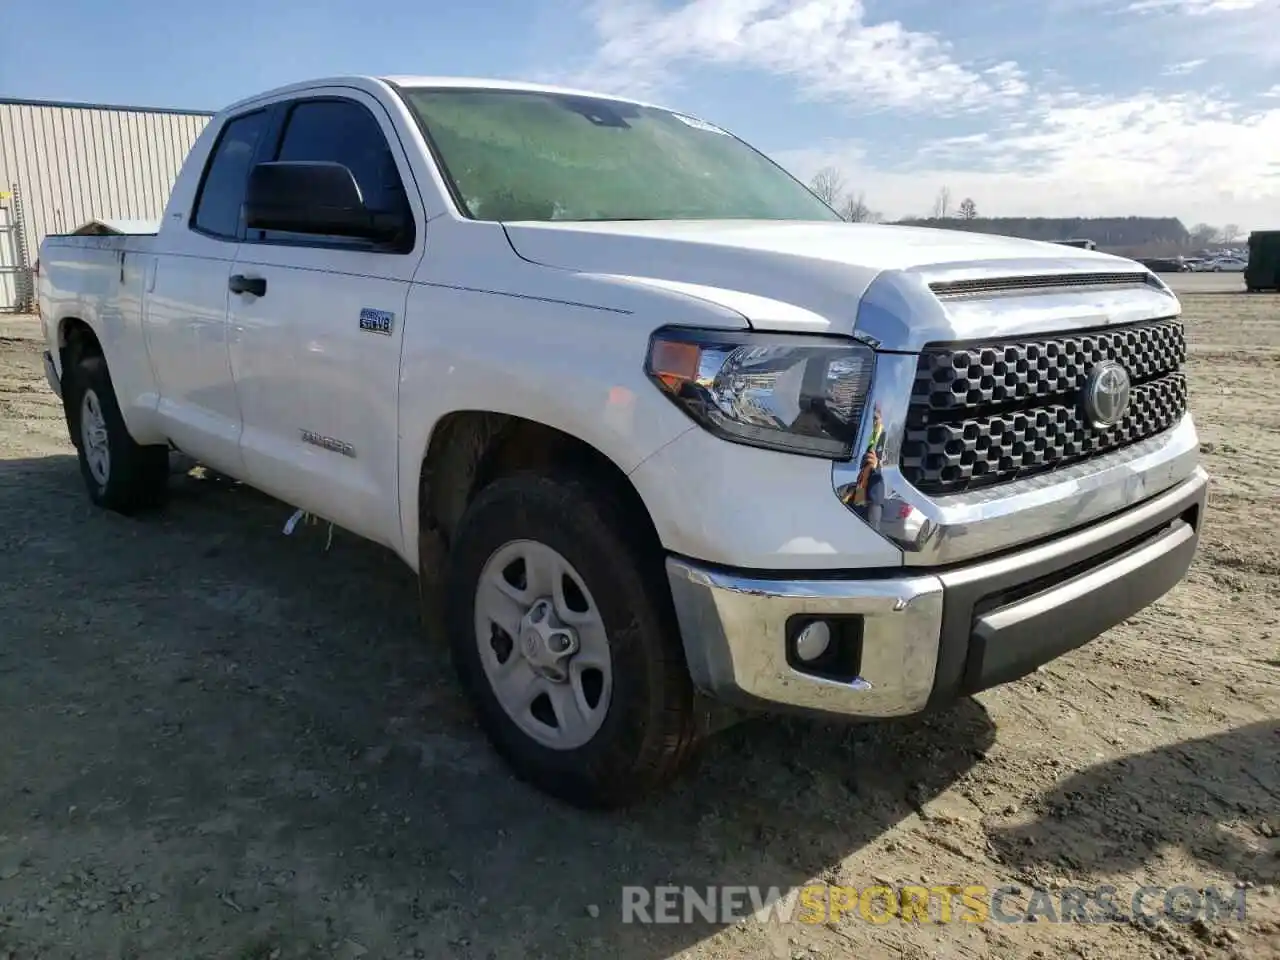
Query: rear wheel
point(120, 474)
point(565, 640)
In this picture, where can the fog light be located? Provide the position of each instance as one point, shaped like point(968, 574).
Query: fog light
point(813, 641)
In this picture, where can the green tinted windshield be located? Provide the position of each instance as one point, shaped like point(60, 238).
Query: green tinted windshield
point(515, 155)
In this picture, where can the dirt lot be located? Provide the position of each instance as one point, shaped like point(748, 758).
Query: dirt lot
point(218, 741)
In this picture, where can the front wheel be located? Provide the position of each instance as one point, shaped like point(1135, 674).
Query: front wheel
point(120, 474)
point(565, 640)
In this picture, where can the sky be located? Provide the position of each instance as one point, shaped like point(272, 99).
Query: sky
point(1029, 107)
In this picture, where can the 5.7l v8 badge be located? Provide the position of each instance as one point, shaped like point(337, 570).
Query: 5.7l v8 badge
point(377, 321)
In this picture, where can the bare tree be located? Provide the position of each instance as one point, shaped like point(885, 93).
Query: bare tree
point(968, 209)
point(1202, 234)
point(828, 185)
point(855, 210)
point(1230, 233)
point(942, 204)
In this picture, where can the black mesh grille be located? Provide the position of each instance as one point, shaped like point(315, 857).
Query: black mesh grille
point(985, 413)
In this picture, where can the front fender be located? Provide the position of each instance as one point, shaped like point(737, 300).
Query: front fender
point(575, 368)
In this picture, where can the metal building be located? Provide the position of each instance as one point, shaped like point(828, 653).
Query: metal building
point(62, 164)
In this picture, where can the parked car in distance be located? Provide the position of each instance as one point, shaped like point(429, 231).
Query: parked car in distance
point(1227, 265)
point(656, 429)
point(1166, 264)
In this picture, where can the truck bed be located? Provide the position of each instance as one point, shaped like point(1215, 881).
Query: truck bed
point(104, 274)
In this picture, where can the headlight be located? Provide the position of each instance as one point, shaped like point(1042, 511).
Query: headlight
point(801, 394)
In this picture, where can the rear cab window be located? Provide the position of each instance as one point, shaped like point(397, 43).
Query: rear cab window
point(221, 195)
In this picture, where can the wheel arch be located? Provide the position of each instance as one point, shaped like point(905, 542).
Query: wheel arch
point(76, 338)
point(469, 449)
point(82, 332)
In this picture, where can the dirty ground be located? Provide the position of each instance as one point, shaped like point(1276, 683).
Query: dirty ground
point(219, 741)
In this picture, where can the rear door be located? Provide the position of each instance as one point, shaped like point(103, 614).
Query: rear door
point(316, 356)
point(186, 303)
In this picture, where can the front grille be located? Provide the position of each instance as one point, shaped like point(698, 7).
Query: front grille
point(991, 412)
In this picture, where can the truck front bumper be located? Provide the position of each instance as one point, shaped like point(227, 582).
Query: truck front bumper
point(902, 644)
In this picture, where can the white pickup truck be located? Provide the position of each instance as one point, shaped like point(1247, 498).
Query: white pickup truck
point(656, 429)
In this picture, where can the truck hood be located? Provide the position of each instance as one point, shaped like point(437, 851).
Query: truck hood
point(812, 277)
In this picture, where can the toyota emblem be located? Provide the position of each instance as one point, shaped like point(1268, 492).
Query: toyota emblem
point(1106, 394)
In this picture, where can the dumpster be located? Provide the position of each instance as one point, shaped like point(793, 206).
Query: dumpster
point(1263, 271)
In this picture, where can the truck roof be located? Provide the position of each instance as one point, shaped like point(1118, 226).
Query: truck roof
point(404, 80)
point(485, 83)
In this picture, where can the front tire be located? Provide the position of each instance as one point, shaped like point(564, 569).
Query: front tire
point(119, 473)
point(564, 637)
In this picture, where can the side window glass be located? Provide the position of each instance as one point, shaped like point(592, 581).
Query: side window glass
point(341, 131)
point(218, 205)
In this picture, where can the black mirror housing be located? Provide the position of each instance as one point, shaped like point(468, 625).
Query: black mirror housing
point(315, 197)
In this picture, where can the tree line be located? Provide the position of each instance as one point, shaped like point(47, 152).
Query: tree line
point(1134, 236)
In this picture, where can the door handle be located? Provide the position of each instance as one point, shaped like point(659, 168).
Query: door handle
point(239, 283)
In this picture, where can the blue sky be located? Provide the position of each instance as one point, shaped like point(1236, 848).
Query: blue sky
point(1041, 107)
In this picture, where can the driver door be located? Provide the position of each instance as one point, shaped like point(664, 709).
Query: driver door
point(315, 330)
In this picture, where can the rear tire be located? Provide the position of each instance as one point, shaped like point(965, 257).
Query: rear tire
point(647, 733)
point(119, 473)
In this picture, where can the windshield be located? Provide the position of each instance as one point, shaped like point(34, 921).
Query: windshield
point(516, 155)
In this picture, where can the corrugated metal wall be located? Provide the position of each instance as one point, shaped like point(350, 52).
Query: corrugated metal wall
point(69, 163)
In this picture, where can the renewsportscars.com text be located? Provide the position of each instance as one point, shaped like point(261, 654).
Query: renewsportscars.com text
point(938, 903)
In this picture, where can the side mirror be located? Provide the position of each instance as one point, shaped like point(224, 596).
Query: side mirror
point(318, 198)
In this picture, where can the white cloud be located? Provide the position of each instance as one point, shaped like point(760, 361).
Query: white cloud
point(1189, 156)
point(1195, 8)
point(1047, 149)
point(1230, 31)
point(827, 47)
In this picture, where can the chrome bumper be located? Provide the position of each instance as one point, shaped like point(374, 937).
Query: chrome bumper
point(735, 636)
point(926, 637)
point(51, 374)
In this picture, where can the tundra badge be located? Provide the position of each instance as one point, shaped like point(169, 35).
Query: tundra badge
point(377, 321)
point(328, 443)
